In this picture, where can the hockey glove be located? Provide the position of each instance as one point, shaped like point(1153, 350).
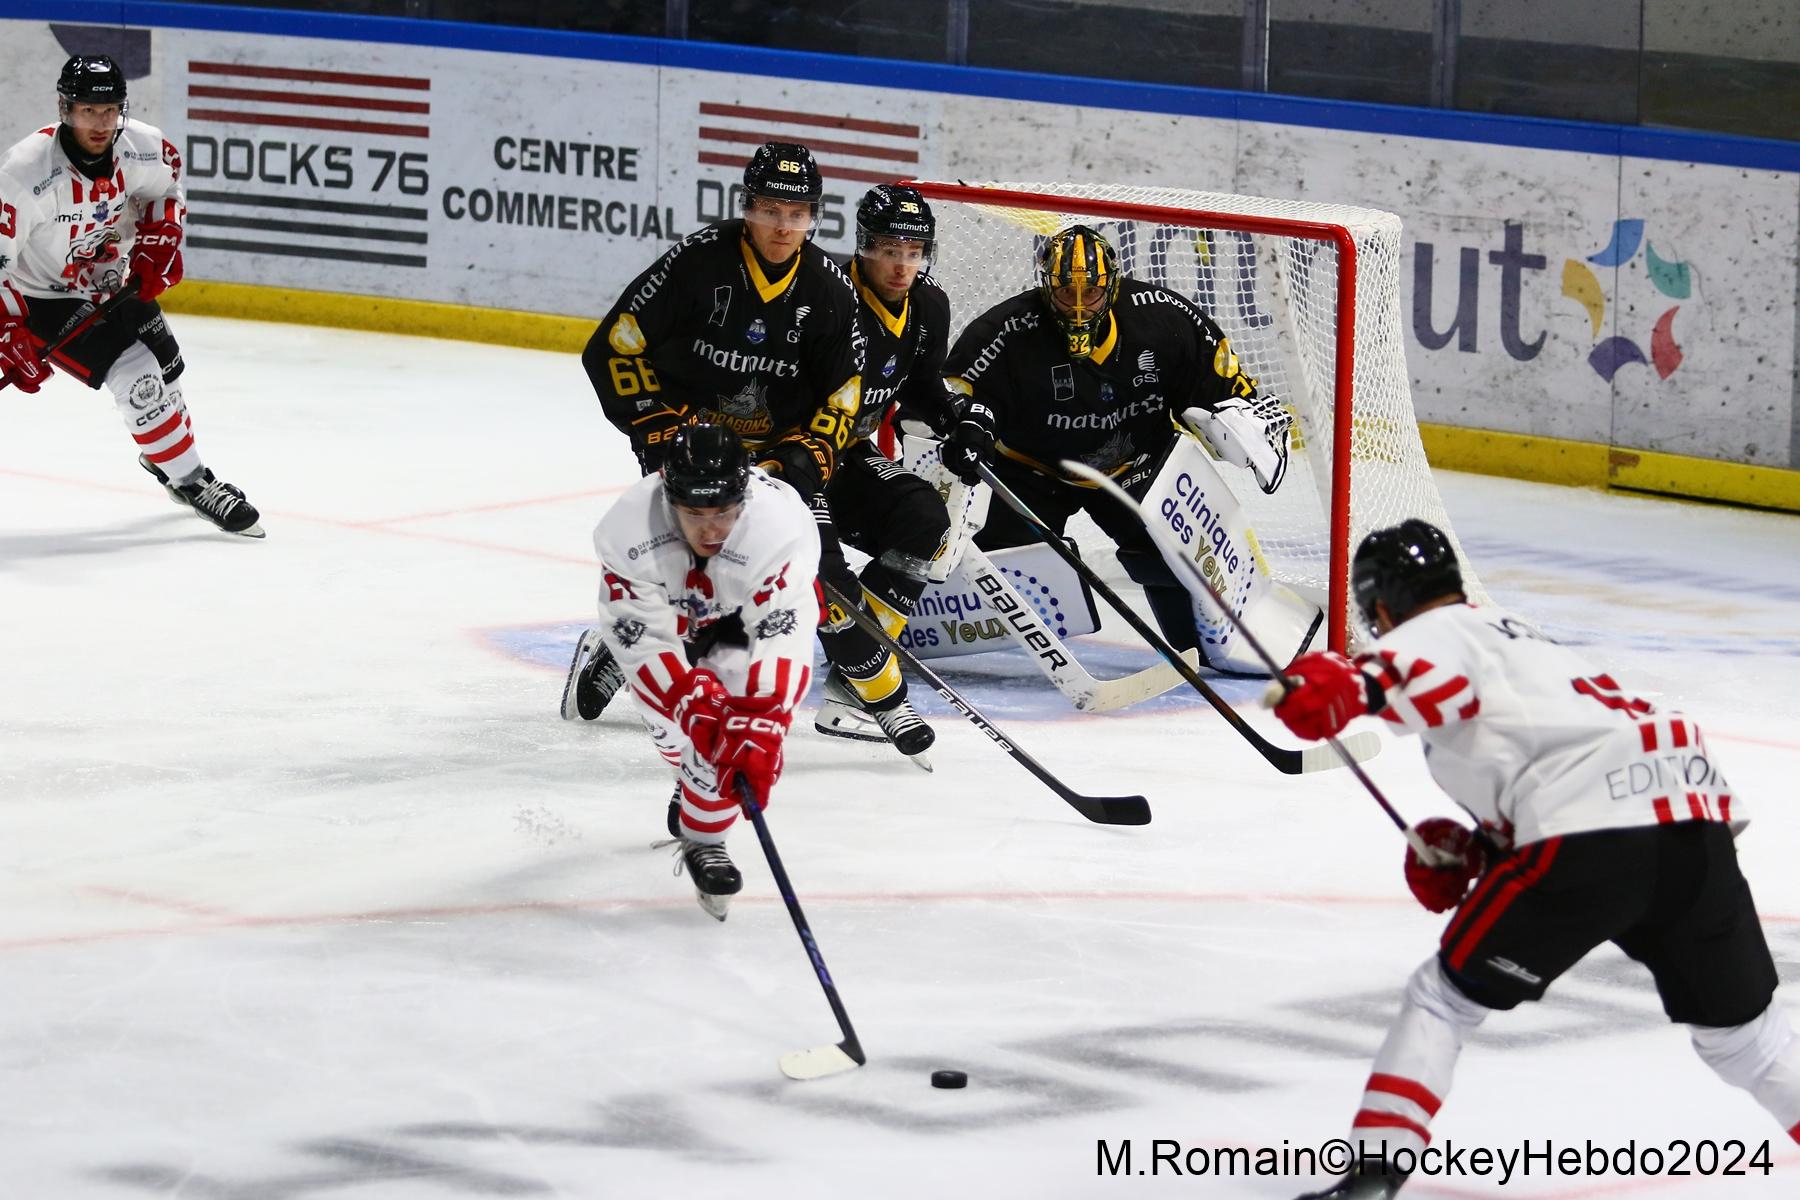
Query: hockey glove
point(1442, 887)
point(22, 362)
point(1246, 433)
point(749, 745)
point(1328, 692)
point(801, 461)
point(156, 258)
point(698, 708)
point(969, 443)
point(650, 438)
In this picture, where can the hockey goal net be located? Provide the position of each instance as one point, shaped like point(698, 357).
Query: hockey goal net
point(1308, 294)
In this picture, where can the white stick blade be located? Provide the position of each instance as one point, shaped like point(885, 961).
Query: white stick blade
point(1360, 746)
point(817, 1063)
point(1111, 694)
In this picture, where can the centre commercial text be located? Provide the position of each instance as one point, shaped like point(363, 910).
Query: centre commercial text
point(549, 210)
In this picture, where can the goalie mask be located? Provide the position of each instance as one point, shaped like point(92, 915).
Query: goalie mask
point(1403, 566)
point(1078, 276)
point(90, 79)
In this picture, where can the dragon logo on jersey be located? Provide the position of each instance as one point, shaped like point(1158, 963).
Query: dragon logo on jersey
point(627, 632)
point(1672, 277)
point(777, 624)
point(748, 401)
point(1113, 452)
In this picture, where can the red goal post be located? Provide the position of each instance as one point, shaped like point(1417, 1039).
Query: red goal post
point(1308, 295)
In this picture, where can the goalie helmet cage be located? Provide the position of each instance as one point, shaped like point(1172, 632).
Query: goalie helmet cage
point(1308, 296)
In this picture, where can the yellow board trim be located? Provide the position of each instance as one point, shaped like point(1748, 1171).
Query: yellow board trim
point(1483, 451)
point(1594, 464)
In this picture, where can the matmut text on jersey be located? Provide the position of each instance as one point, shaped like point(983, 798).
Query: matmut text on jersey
point(63, 233)
point(709, 330)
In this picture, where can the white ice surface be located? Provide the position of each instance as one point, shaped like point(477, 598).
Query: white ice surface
point(305, 890)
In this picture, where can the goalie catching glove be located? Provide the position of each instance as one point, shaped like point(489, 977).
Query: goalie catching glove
point(1246, 433)
point(1461, 857)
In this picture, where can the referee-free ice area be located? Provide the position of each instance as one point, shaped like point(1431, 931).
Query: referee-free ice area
point(308, 892)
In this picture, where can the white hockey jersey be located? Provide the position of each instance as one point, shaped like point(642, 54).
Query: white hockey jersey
point(1530, 739)
point(63, 234)
point(655, 594)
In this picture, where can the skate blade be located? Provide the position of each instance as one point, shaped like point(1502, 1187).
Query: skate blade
point(921, 761)
point(835, 720)
point(255, 531)
point(717, 907)
point(570, 708)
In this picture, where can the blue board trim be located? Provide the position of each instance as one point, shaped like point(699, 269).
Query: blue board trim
point(1447, 125)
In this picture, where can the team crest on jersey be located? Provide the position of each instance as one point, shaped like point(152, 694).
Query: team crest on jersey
point(102, 210)
point(1106, 393)
point(747, 403)
point(888, 368)
point(627, 632)
point(1062, 382)
point(777, 624)
point(757, 333)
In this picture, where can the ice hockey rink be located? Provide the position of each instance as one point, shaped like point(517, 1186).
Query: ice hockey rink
point(308, 891)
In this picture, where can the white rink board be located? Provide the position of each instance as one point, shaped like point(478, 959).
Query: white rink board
point(1543, 333)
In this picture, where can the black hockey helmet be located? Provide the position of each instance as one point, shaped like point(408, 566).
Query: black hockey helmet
point(894, 210)
point(91, 79)
point(706, 467)
point(783, 171)
point(1079, 258)
point(1403, 567)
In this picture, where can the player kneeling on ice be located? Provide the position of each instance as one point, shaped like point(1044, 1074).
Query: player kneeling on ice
point(708, 602)
point(1601, 819)
point(89, 207)
point(1105, 370)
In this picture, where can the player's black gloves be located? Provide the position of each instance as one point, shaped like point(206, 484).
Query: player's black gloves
point(971, 442)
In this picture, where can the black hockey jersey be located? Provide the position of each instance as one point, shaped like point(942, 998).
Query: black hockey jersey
point(906, 350)
point(705, 332)
point(1158, 356)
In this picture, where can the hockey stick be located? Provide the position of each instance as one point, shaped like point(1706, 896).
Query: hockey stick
point(1053, 657)
point(1289, 762)
point(81, 320)
point(1429, 855)
point(1102, 810)
point(828, 1059)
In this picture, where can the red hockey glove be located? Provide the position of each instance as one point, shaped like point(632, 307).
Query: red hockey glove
point(699, 709)
point(1442, 888)
point(1329, 692)
point(750, 745)
point(156, 258)
point(22, 362)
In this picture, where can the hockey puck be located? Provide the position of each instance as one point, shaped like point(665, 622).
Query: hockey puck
point(949, 1079)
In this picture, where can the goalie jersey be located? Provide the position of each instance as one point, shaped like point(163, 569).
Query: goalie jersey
point(1158, 356)
point(63, 234)
point(1530, 740)
point(661, 606)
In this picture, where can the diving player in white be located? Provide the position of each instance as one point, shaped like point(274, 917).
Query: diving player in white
point(86, 207)
point(1601, 818)
point(709, 602)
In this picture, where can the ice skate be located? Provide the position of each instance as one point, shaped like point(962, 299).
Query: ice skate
point(1369, 1181)
point(844, 714)
point(594, 679)
point(715, 878)
point(219, 502)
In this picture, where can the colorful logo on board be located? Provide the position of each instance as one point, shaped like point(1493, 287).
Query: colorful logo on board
point(1671, 277)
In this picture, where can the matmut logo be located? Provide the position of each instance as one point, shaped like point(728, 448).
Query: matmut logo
point(847, 147)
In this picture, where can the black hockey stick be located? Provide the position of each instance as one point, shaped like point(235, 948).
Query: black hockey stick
point(1281, 686)
point(82, 319)
point(828, 1059)
point(1290, 762)
point(1102, 810)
